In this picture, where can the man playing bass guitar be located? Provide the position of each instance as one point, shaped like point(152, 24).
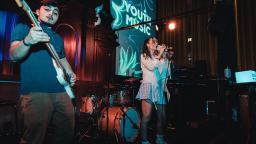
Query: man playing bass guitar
point(42, 97)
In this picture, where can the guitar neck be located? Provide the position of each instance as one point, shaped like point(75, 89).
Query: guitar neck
point(55, 56)
point(30, 14)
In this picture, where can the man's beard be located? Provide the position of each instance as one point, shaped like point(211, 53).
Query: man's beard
point(47, 24)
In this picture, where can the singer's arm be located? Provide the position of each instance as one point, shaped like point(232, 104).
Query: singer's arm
point(161, 50)
point(149, 63)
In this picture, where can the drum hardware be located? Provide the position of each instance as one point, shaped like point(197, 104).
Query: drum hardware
point(132, 94)
point(84, 134)
point(115, 130)
point(124, 114)
point(131, 87)
point(107, 101)
point(134, 125)
point(95, 125)
point(113, 86)
point(90, 105)
point(96, 132)
point(108, 96)
point(131, 79)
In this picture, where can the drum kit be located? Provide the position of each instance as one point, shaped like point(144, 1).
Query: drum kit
point(113, 116)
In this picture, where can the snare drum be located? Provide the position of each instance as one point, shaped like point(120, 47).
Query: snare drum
point(90, 104)
point(116, 121)
point(122, 97)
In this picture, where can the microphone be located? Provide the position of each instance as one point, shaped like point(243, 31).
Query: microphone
point(158, 47)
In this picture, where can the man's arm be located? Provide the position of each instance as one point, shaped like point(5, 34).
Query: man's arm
point(69, 71)
point(19, 50)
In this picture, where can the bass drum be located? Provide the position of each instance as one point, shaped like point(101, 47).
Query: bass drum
point(116, 121)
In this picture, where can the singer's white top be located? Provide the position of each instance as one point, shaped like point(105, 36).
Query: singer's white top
point(150, 68)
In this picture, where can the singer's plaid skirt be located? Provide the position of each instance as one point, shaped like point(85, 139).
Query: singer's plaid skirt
point(153, 92)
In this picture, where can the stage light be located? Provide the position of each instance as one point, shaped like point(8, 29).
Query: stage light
point(157, 28)
point(160, 26)
point(172, 26)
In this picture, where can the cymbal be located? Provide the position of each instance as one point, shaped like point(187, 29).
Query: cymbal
point(131, 79)
point(113, 86)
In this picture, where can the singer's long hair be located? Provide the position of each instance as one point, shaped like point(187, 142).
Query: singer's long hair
point(145, 50)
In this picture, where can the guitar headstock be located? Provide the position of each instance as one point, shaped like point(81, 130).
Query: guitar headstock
point(19, 3)
point(22, 3)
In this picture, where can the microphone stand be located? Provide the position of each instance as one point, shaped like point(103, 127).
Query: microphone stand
point(180, 103)
point(134, 125)
point(124, 140)
point(133, 87)
point(128, 117)
point(218, 86)
point(108, 97)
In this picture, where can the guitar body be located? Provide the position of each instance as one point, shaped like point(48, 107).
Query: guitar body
point(62, 76)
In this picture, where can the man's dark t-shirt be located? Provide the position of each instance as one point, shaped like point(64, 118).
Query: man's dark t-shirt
point(37, 73)
point(173, 69)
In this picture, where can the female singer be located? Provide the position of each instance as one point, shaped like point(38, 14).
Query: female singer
point(149, 89)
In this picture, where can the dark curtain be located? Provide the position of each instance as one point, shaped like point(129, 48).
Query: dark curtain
point(245, 34)
point(3, 17)
point(8, 21)
point(204, 42)
point(177, 38)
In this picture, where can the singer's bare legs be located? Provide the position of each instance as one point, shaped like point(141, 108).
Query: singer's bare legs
point(160, 119)
point(146, 115)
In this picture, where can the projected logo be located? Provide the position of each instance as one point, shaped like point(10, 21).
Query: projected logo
point(133, 15)
point(126, 13)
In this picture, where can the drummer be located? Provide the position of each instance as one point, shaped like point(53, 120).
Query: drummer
point(149, 89)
